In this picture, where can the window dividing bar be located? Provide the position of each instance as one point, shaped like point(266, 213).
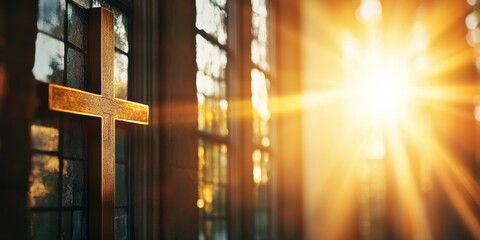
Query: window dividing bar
point(45, 152)
point(57, 209)
point(212, 40)
point(262, 148)
point(214, 217)
point(267, 73)
point(65, 42)
point(121, 206)
point(214, 137)
point(118, 50)
point(221, 185)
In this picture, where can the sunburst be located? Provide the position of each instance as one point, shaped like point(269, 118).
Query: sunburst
point(403, 76)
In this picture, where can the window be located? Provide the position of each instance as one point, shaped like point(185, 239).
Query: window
point(215, 87)
point(260, 85)
point(58, 180)
point(211, 84)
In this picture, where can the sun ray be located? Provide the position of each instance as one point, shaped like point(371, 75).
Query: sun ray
point(403, 76)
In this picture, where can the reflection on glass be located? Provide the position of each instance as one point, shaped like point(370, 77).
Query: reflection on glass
point(261, 112)
point(44, 138)
point(120, 29)
point(211, 18)
point(43, 225)
point(73, 225)
point(212, 191)
point(49, 55)
point(73, 139)
point(121, 224)
point(120, 75)
point(259, 43)
point(43, 179)
point(120, 184)
point(51, 16)
point(121, 145)
point(73, 183)
point(76, 25)
point(75, 66)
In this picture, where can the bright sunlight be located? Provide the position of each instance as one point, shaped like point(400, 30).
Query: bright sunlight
point(396, 99)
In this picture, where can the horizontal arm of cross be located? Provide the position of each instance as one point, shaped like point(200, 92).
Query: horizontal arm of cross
point(65, 99)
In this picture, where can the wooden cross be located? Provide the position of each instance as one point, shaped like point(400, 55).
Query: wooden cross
point(101, 171)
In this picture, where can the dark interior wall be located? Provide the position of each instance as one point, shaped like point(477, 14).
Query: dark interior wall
point(178, 120)
point(287, 28)
point(17, 104)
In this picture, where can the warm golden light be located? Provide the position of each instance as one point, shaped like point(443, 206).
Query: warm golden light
point(370, 11)
point(383, 91)
point(394, 116)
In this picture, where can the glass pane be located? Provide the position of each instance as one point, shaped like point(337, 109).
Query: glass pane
point(212, 179)
point(49, 55)
point(211, 18)
point(261, 175)
point(205, 231)
point(73, 183)
point(211, 60)
point(83, 3)
point(260, 101)
point(120, 184)
point(213, 229)
point(66, 225)
point(261, 224)
point(260, 34)
point(73, 225)
point(43, 179)
point(121, 224)
point(120, 145)
point(120, 29)
point(211, 87)
point(51, 16)
point(212, 115)
point(44, 138)
point(101, 3)
point(73, 138)
point(220, 202)
point(79, 225)
point(43, 225)
point(220, 229)
point(223, 164)
point(259, 54)
point(75, 69)
point(120, 75)
point(261, 166)
point(76, 25)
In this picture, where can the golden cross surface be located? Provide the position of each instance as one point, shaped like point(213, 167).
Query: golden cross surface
point(108, 108)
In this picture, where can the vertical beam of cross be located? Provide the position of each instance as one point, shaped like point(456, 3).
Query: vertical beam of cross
point(101, 50)
point(101, 183)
